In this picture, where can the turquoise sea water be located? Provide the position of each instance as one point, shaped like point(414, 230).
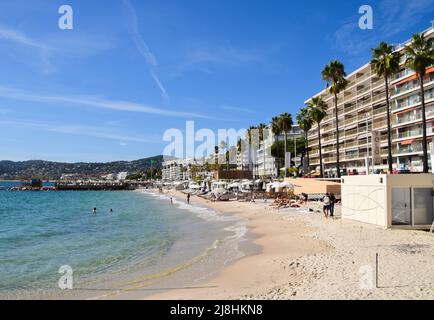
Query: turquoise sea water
point(144, 236)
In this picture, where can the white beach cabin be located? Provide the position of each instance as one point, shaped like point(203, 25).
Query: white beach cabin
point(389, 201)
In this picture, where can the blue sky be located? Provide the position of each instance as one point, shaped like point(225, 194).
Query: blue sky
point(129, 70)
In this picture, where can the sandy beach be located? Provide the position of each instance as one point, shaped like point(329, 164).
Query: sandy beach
point(305, 256)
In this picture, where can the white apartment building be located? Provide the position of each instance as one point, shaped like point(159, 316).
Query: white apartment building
point(179, 169)
point(362, 109)
point(262, 163)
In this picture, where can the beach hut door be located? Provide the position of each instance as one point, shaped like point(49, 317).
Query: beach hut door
point(423, 206)
point(401, 206)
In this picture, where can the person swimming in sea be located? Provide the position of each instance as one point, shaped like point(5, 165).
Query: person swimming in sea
point(111, 210)
point(94, 211)
point(171, 200)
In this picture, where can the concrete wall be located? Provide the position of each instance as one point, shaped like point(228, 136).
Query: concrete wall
point(368, 199)
point(364, 199)
point(232, 175)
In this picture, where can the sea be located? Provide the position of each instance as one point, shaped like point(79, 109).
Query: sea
point(53, 246)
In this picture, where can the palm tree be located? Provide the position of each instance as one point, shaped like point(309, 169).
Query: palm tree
point(285, 123)
point(386, 63)
point(249, 141)
point(216, 156)
point(317, 109)
point(334, 74)
point(262, 127)
point(275, 128)
point(222, 148)
point(240, 151)
point(420, 56)
point(305, 122)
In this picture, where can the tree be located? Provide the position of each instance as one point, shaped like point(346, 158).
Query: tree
point(285, 124)
point(334, 74)
point(232, 152)
point(318, 111)
point(262, 127)
point(278, 148)
point(216, 157)
point(275, 129)
point(386, 63)
point(305, 122)
point(250, 133)
point(420, 56)
point(240, 151)
point(222, 148)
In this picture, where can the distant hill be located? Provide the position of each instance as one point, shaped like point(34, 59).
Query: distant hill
point(54, 170)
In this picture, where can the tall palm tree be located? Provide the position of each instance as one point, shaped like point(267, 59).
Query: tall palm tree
point(386, 63)
point(240, 151)
point(262, 127)
point(420, 56)
point(285, 123)
point(305, 122)
point(216, 156)
point(334, 74)
point(275, 128)
point(250, 132)
point(222, 148)
point(317, 109)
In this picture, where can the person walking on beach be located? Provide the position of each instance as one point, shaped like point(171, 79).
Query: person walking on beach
point(332, 204)
point(326, 208)
point(188, 198)
point(171, 200)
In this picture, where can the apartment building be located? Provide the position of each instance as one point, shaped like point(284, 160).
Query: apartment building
point(362, 109)
point(262, 163)
point(179, 169)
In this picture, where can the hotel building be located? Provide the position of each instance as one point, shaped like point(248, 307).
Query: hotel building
point(262, 163)
point(362, 109)
point(179, 169)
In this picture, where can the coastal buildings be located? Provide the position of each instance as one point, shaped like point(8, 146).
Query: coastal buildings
point(259, 160)
point(266, 164)
point(180, 169)
point(362, 110)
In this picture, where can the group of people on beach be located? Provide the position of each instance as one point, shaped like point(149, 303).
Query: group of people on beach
point(329, 201)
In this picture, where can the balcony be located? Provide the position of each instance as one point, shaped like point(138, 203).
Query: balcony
point(349, 108)
point(380, 124)
point(380, 110)
point(350, 132)
point(329, 138)
point(351, 120)
point(351, 144)
point(350, 96)
point(413, 100)
point(404, 73)
point(364, 90)
point(408, 134)
point(413, 148)
point(379, 97)
point(378, 83)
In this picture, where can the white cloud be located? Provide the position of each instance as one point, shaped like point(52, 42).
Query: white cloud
point(236, 109)
point(80, 130)
point(21, 38)
point(205, 57)
point(71, 45)
point(391, 17)
point(143, 48)
point(92, 101)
